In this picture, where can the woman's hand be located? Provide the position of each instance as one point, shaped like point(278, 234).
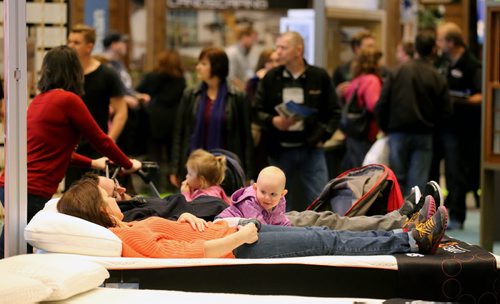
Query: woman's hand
point(195, 222)
point(136, 165)
point(99, 163)
point(248, 233)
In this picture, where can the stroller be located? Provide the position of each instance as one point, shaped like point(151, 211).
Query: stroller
point(235, 175)
point(367, 190)
point(147, 174)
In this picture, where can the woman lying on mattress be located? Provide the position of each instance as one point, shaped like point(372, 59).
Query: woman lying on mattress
point(191, 237)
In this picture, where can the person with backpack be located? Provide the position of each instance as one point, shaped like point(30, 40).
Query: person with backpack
point(264, 200)
point(192, 237)
point(365, 86)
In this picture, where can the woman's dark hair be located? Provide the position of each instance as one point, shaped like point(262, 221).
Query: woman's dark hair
point(168, 62)
point(61, 69)
point(367, 61)
point(84, 200)
point(219, 63)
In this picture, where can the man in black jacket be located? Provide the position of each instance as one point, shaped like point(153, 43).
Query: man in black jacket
point(414, 98)
point(460, 135)
point(294, 141)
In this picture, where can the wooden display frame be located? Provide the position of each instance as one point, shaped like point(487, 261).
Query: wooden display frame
point(490, 160)
point(491, 150)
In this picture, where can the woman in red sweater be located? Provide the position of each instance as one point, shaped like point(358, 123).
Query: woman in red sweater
point(56, 120)
point(192, 237)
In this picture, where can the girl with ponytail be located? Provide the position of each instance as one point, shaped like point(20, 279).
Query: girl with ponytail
point(205, 173)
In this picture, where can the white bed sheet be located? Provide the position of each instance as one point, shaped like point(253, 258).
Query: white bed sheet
point(125, 296)
point(379, 262)
point(387, 262)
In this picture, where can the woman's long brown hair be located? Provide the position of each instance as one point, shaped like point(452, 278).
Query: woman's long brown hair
point(84, 200)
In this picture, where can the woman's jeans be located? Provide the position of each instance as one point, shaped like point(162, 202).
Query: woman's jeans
point(35, 204)
point(284, 242)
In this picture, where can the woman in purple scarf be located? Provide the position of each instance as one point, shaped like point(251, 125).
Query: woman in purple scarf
point(213, 115)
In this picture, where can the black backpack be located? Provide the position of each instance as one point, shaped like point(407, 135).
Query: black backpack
point(354, 119)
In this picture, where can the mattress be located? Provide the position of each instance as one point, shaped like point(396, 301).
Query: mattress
point(458, 270)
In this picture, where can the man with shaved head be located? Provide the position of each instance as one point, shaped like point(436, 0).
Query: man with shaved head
point(294, 142)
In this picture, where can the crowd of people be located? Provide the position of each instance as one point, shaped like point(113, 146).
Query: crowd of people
point(275, 122)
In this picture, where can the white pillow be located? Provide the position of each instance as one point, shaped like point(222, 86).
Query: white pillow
point(20, 289)
point(51, 205)
point(57, 232)
point(64, 275)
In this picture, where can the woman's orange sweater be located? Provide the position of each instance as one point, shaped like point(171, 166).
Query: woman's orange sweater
point(156, 237)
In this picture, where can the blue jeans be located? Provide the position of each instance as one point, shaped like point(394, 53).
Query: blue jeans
point(286, 242)
point(35, 204)
point(410, 158)
point(307, 164)
point(355, 152)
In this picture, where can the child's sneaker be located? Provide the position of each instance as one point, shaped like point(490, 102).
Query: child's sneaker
point(410, 202)
point(433, 188)
point(426, 212)
point(429, 234)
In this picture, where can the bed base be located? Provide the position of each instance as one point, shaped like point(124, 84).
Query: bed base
point(269, 279)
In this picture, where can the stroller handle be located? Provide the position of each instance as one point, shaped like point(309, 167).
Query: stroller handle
point(148, 169)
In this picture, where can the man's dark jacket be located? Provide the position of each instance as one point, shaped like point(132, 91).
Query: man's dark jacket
point(318, 94)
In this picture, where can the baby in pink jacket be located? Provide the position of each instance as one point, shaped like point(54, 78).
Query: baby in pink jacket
point(264, 200)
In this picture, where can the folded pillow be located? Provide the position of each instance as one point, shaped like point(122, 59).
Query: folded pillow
point(20, 289)
point(61, 233)
point(51, 205)
point(64, 275)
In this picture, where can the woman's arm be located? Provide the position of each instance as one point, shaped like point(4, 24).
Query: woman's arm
point(221, 247)
point(81, 118)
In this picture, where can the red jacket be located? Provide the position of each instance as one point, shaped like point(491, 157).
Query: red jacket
point(55, 122)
